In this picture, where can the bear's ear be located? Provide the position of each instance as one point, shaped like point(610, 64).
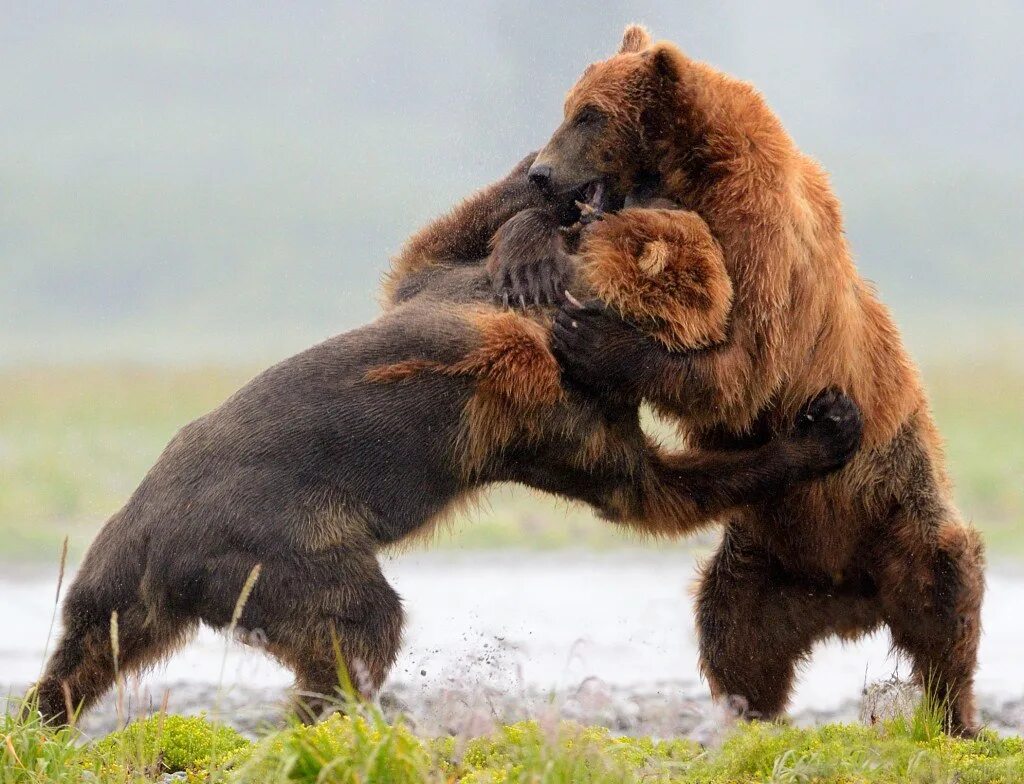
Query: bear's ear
point(654, 258)
point(634, 39)
point(665, 62)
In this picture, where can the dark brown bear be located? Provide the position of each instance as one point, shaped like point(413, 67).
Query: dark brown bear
point(878, 544)
point(370, 437)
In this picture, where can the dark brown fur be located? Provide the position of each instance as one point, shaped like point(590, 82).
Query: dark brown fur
point(364, 440)
point(881, 542)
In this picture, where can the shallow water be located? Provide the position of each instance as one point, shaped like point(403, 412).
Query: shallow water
point(523, 621)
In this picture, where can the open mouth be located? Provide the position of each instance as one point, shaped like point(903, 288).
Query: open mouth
point(591, 197)
point(587, 203)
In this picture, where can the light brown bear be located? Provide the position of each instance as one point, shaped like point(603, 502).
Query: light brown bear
point(879, 543)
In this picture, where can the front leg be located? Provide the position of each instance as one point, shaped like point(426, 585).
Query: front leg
point(641, 486)
point(528, 263)
point(687, 490)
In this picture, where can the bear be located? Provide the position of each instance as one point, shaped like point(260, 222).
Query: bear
point(357, 444)
point(879, 543)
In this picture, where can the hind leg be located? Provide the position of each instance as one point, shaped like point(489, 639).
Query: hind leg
point(83, 667)
point(936, 620)
point(352, 638)
point(329, 617)
point(756, 623)
point(350, 629)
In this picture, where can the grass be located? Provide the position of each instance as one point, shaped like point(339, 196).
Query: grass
point(75, 441)
point(362, 747)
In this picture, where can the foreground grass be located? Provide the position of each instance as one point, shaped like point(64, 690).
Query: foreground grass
point(74, 443)
point(362, 747)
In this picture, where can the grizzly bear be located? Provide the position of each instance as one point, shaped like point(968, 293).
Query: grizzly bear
point(369, 438)
point(879, 543)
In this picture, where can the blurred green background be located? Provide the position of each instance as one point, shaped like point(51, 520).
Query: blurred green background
point(191, 191)
point(75, 441)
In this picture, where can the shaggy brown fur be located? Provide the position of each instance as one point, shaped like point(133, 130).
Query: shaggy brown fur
point(663, 270)
point(880, 543)
point(363, 441)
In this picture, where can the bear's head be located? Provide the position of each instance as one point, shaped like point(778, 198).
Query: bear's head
point(603, 150)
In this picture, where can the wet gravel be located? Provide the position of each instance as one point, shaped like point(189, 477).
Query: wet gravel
point(659, 710)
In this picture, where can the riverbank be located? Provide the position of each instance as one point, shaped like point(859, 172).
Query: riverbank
point(606, 639)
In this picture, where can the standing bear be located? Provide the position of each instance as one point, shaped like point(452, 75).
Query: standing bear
point(880, 543)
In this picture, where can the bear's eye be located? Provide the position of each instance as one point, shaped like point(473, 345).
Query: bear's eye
point(588, 115)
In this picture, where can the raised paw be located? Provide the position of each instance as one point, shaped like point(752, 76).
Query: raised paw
point(575, 338)
point(528, 264)
point(831, 426)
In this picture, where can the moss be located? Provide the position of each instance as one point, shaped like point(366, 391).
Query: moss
point(567, 752)
point(166, 744)
point(362, 747)
point(341, 748)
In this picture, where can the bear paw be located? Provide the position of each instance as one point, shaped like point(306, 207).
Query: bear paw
point(830, 428)
point(528, 264)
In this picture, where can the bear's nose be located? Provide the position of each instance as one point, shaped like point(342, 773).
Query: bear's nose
point(540, 175)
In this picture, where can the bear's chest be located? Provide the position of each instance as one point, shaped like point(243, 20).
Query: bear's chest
point(807, 531)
